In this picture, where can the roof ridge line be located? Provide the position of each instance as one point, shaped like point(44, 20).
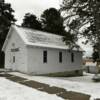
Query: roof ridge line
point(37, 30)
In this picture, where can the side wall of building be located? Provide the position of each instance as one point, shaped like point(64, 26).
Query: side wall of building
point(15, 53)
point(37, 66)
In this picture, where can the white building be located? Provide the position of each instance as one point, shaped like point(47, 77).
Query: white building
point(36, 52)
point(90, 66)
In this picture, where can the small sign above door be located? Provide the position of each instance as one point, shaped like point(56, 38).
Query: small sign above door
point(15, 50)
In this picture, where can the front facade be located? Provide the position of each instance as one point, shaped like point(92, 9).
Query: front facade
point(23, 53)
point(15, 53)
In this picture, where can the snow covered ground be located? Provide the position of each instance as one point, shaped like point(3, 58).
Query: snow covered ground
point(81, 84)
point(13, 91)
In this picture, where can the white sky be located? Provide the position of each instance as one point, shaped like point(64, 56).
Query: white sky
point(37, 7)
point(34, 6)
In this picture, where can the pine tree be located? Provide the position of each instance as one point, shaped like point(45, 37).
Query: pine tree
point(52, 21)
point(6, 19)
point(31, 21)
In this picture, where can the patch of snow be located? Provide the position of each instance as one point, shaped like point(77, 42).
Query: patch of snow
point(89, 88)
point(13, 91)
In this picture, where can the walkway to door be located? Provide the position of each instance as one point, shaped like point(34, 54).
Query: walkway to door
point(67, 95)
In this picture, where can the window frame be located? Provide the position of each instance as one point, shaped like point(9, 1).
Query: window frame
point(72, 57)
point(60, 57)
point(14, 59)
point(45, 56)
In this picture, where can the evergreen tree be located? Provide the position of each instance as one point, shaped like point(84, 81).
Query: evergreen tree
point(31, 21)
point(52, 21)
point(6, 18)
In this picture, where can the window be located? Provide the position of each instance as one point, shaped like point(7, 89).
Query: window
point(13, 59)
point(60, 57)
point(72, 57)
point(45, 56)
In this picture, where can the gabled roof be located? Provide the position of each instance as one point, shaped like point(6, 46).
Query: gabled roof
point(32, 37)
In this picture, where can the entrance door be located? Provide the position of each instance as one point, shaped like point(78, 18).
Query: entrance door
point(13, 61)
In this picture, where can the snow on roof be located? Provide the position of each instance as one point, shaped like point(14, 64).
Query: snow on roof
point(33, 37)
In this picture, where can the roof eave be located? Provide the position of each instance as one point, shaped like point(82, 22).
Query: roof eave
point(50, 46)
point(7, 38)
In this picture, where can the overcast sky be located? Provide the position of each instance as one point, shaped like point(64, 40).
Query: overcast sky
point(34, 6)
point(37, 7)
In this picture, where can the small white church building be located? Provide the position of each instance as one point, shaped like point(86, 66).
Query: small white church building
point(35, 52)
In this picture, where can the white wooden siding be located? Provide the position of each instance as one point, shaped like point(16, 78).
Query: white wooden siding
point(20, 56)
point(36, 65)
